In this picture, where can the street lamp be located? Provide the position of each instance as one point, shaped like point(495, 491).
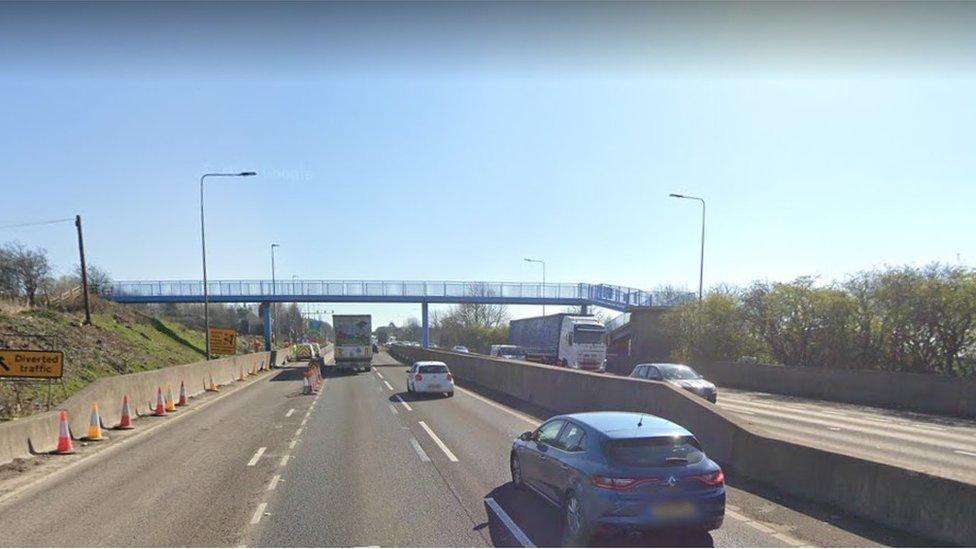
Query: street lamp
point(542, 293)
point(701, 263)
point(203, 249)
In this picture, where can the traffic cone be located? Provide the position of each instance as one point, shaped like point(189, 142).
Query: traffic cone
point(170, 403)
point(213, 387)
point(183, 398)
point(160, 407)
point(64, 435)
point(241, 378)
point(126, 421)
point(95, 426)
point(306, 386)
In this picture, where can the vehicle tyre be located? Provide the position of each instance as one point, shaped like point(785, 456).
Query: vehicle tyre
point(450, 394)
point(576, 531)
point(409, 389)
point(516, 468)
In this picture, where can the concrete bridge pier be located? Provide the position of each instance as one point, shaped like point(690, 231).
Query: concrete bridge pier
point(425, 326)
point(265, 310)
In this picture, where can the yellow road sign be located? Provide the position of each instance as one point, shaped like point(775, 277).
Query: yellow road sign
point(31, 364)
point(223, 341)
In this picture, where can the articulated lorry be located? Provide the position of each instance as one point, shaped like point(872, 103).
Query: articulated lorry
point(353, 346)
point(573, 341)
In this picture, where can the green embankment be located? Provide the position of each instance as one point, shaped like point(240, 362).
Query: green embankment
point(120, 341)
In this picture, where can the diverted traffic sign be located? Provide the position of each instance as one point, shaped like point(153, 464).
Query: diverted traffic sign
point(223, 341)
point(21, 363)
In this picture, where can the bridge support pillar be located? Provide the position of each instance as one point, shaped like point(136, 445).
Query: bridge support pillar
point(265, 310)
point(425, 325)
point(584, 309)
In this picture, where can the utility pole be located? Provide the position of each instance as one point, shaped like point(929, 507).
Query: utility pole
point(84, 271)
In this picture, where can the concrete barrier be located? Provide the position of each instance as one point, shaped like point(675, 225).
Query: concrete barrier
point(39, 433)
point(917, 501)
point(927, 393)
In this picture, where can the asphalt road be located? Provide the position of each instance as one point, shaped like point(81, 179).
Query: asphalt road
point(353, 466)
point(935, 444)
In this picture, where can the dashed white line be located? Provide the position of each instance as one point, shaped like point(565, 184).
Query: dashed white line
point(420, 451)
point(284, 460)
point(378, 373)
point(440, 443)
point(291, 445)
point(965, 453)
point(256, 457)
point(258, 513)
point(289, 412)
point(298, 432)
point(762, 528)
point(304, 421)
point(832, 428)
point(405, 405)
point(387, 383)
point(393, 410)
point(509, 523)
point(274, 482)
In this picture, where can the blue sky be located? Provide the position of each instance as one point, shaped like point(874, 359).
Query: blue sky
point(452, 146)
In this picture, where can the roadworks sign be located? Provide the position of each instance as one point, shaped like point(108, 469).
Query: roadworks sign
point(21, 363)
point(223, 341)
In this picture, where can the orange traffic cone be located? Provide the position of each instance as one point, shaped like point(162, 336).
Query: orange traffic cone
point(126, 421)
point(95, 425)
point(213, 387)
point(183, 397)
point(306, 386)
point(241, 378)
point(170, 403)
point(160, 407)
point(64, 435)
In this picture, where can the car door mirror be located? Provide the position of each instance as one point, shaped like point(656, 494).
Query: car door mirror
point(408, 370)
point(526, 436)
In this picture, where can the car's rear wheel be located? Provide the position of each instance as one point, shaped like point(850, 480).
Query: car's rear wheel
point(516, 467)
point(576, 532)
point(449, 394)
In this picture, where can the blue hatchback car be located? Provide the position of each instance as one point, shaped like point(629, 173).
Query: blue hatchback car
point(620, 472)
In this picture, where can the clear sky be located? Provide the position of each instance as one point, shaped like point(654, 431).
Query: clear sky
point(449, 141)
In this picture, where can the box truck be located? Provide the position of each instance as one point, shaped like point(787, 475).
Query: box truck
point(353, 347)
point(570, 340)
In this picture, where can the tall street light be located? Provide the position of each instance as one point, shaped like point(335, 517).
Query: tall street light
point(701, 263)
point(542, 293)
point(203, 248)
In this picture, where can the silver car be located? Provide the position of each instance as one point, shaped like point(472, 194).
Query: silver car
point(679, 375)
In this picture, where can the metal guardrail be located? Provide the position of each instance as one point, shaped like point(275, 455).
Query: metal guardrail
point(604, 295)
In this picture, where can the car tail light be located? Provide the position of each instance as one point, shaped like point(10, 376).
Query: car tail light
point(615, 483)
point(716, 478)
point(450, 377)
point(418, 377)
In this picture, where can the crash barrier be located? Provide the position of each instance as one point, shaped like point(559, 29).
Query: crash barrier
point(927, 393)
point(918, 501)
point(120, 399)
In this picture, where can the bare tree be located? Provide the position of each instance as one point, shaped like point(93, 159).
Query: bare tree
point(28, 269)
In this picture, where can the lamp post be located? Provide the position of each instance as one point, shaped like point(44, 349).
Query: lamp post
point(203, 249)
point(542, 293)
point(701, 262)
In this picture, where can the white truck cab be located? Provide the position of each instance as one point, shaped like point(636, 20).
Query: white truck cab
point(581, 343)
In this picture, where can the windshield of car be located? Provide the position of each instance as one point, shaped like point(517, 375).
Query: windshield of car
point(677, 372)
point(588, 335)
point(656, 451)
point(433, 369)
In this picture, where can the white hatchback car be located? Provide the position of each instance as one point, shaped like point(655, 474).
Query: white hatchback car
point(430, 377)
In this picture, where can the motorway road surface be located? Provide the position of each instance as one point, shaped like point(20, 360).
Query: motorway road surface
point(941, 445)
point(359, 464)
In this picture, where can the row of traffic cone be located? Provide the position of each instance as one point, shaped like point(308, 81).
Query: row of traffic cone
point(311, 381)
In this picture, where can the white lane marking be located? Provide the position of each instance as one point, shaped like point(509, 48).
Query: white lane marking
point(405, 405)
point(523, 417)
point(832, 428)
point(291, 445)
point(762, 528)
point(965, 453)
point(304, 421)
point(746, 412)
point(298, 432)
point(274, 482)
point(387, 383)
point(440, 443)
point(520, 536)
point(257, 456)
point(284, 460)
point(378, 373)
point(289, 412)
point(929, 427)
point(258, 513)
point(393, 410)
point(420, 451)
